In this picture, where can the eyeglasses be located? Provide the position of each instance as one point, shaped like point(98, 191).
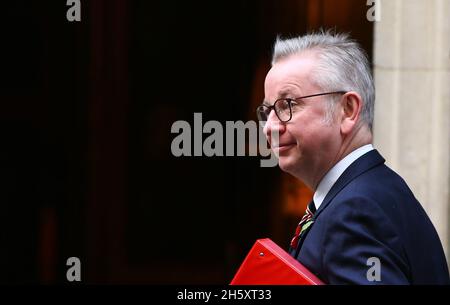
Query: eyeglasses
point(283, 107)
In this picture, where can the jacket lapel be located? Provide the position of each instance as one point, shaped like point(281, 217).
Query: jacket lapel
point(361, 165)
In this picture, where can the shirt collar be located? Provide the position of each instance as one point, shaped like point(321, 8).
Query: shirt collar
point(336, 171)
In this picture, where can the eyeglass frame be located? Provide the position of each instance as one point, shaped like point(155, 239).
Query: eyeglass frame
point(290, 100)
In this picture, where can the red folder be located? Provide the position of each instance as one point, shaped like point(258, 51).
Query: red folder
point(268, 264)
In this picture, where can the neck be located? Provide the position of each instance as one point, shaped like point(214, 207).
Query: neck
point(360, 137)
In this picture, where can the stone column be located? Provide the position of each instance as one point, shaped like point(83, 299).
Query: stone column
point(412, 108)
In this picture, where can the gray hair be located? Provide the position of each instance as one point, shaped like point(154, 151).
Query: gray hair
point(342, 65)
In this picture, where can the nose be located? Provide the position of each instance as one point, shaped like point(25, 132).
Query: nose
point(273, 127)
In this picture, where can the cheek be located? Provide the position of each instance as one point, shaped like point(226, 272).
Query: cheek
point(328, 138)
point(305, 132)
point(316, 138)
point(310, 129)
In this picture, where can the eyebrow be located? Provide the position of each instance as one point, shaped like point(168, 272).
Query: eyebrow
point(282, 94)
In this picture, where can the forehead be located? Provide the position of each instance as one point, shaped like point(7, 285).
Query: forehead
point(290, 75)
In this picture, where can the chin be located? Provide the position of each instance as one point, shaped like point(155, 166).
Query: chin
point(286, 164)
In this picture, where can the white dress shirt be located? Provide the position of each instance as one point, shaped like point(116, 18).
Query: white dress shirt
point(336, 171)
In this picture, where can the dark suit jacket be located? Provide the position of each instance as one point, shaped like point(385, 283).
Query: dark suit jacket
point(371, 212)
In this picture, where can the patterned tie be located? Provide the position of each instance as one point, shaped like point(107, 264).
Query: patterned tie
point(304, 224)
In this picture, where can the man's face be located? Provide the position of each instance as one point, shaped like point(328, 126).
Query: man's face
point(307, 144)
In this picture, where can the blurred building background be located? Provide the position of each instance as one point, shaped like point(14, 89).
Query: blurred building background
point(87, 109)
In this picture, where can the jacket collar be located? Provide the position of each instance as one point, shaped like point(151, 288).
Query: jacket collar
point(361, 165)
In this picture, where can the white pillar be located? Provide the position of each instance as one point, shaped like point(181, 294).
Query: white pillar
point(412, 108)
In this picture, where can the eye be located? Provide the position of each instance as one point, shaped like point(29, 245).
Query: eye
point(296, 105)
point(283, 105)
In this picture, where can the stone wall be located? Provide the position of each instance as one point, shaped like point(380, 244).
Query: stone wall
point(412, 110)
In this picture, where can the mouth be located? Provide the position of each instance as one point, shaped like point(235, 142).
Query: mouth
point(283, 147)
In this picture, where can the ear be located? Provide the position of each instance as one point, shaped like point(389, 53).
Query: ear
point(351, 105)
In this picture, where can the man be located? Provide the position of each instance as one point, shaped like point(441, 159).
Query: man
point(364, 225)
